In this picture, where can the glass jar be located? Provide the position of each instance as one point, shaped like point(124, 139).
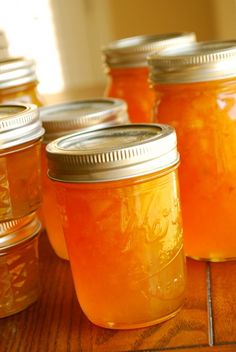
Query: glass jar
point(59, 120)
point(127, 69)
point(117, 191)
point(18, 81)
point(197, 96)
point(19, 270)
point(20, 154)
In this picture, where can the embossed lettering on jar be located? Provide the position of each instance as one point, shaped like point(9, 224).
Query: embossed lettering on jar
point(19, 269)
point(127, 68)
point(196, 94)
point(117, 190)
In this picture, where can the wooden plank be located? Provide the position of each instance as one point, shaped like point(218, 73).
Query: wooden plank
point(56, 324)
point(223, 292)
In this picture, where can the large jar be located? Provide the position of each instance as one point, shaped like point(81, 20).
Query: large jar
point(18, 81)
point(59, 120)
point(196, 94)
point(117, 190)
point(19, 267)
point(127, 68)
point(20, 160)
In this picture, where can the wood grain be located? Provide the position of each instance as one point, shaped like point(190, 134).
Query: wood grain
point(56, 324)
point(223, 294)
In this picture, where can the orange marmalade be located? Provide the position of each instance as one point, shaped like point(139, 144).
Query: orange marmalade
point(62, 119)
point(117, 191)
point(198, 98)
point(20, 150)
point(128, 70)
point(19, 269)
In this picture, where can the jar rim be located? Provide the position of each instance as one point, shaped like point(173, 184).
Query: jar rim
point(64, 118)
point(19, 123)
point(195, 62)
point(112, 153)
point(133, 51)
point(15, 71)
point(12, 235)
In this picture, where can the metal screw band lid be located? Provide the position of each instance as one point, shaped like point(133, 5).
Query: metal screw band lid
point(15, 232)
point(132, 52)
point(196, 62)
point(61, 119)
point(16, 71)
point(11, 225)
point(112, 153)
point(19, 123)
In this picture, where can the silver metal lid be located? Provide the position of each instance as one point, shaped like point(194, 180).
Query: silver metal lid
point(19, 123)
point(132, 52)
point(196, 62)
point(61, 119)
point(16, 71)
point(15, 232)
point(112, 153)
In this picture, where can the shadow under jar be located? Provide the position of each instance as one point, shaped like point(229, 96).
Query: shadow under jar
point(117, 191)
point(62, 119)
point(127, 68)
point(196, 94)
point(20, 160)
point(19, 269)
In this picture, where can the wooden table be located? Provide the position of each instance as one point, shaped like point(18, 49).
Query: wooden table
point(56, 324)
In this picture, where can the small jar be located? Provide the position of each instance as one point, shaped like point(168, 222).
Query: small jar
point(19, 269)
point(117, 190)
point(127, 69)
point(18, 81)
point(20, 166)
point(196, 94)
point(59, 120)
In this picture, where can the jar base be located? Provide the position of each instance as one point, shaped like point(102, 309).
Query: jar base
point(212, 260)
point(123, 326)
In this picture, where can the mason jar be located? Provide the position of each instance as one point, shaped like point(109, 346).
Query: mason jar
point(117, 192)
point(127, 69)
point(196, 94)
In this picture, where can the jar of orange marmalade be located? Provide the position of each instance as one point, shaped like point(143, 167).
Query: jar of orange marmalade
point(127, 68)
point(196, 94)
point(18, 81)
point(117, 191)
point(20, 166)
point(19, 269)
point(59, 120)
